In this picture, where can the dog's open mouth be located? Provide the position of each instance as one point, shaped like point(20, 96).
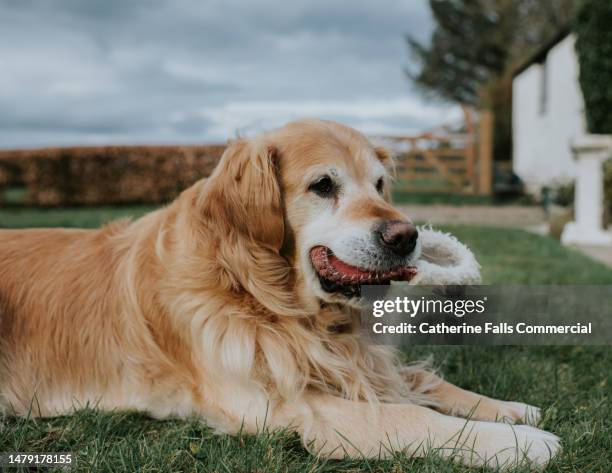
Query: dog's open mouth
point(337, 276)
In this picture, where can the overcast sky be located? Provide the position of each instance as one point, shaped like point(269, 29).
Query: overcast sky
point(171, 71)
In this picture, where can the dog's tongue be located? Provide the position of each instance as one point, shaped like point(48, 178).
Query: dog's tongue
point(336, 270)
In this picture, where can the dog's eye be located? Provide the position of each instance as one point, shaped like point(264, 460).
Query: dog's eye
point(379, 185)
point(323, 187)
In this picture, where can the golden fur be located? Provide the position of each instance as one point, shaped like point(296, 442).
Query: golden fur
point(206, 308)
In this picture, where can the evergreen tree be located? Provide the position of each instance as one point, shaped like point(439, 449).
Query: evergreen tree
point(474, 47)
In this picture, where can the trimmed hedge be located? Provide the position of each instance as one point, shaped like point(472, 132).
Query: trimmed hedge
point(106, 175)
point(594, 47)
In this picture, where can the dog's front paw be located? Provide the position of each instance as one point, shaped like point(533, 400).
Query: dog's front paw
point(506, 446)
point(494, 410)
point(518, 413)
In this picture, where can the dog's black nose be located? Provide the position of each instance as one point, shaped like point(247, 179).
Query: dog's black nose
point(399, 236)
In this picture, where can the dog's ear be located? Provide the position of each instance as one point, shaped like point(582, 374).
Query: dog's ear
point(387, 159)
point(242, 204)
point(383, 154)
point(245, 193)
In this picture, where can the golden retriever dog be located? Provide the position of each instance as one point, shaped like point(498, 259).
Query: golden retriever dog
point(237, 303)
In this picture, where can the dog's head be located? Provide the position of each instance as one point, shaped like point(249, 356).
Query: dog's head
point(314, 197)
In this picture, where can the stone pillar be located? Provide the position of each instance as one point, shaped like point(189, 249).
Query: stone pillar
point(590, 151)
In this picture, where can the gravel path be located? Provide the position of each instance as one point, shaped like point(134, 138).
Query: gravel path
point(504, 216)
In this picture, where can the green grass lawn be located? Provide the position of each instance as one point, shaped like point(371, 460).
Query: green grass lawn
point(571, 383)
point(79, 217)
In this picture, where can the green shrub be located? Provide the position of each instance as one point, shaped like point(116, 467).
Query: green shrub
point(594, 47)
point(563, 193)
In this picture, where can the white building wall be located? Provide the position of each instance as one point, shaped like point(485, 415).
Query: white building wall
point(541, 138)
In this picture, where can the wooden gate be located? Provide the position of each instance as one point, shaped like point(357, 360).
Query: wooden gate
point(447, 161)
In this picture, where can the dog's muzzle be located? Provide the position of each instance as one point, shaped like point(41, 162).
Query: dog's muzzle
point(337, 276)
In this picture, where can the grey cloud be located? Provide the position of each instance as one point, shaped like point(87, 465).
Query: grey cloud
point(161, 70)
